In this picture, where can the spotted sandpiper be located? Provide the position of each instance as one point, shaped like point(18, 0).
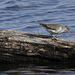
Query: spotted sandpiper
point(55, 28)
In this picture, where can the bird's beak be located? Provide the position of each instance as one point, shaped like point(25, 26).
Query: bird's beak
point(69, 32)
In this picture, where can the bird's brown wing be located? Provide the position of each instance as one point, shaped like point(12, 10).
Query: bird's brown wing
point(52, 26)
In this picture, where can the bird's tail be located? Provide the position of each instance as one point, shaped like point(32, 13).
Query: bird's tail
point(42, 24)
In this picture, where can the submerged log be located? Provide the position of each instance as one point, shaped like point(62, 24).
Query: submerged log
point(19, 46)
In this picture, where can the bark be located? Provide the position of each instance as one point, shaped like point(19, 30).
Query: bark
point(19, 46)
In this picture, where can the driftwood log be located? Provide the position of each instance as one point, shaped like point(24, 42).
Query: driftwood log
point(19, 46)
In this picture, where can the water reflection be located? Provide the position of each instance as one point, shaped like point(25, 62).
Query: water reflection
point(35, 69)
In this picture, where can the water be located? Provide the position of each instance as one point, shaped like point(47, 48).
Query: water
point(32, 69)
point(25, 15)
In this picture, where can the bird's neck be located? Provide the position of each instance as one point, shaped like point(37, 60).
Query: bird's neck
point(64, 28)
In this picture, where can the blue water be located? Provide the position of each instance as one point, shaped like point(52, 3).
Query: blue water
point(25, 15)
point(32, 69)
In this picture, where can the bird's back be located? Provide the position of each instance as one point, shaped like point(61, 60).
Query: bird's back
point(51, 26)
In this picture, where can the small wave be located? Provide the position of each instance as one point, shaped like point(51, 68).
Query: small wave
point(10, 2)
point(29, 27)
point(44, 20)
point(71, 10)
point(61, 7)
point(15, 7)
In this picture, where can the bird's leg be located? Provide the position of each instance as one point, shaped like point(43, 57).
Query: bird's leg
point(53, 37)
point(56, 35)
point(51, 34)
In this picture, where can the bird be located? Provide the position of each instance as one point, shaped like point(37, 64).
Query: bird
point(55, 29)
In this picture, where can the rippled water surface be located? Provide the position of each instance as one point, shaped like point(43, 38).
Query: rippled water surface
point(25, 15)
point(31, 69)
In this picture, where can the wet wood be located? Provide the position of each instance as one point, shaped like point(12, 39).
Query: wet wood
point(20, 46)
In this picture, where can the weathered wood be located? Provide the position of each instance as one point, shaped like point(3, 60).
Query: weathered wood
point(21, 46)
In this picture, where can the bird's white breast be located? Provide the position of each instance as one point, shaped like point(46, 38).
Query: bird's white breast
point(58, 30)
